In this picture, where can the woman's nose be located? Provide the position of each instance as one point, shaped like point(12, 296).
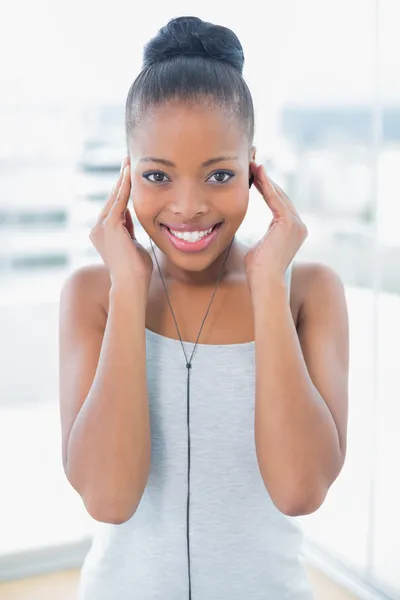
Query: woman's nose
point(189, 203)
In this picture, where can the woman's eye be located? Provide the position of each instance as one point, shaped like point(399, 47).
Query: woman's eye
point(221, 176)
point(160, 177)
point(156, 177)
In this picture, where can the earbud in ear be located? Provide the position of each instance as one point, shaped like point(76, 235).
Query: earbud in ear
point(251, 180)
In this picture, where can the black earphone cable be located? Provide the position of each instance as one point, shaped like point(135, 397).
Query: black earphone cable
point(188, 368)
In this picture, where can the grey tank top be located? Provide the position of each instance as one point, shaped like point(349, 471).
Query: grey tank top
point(241, 545)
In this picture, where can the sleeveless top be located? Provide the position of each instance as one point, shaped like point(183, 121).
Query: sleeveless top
point(241, 545)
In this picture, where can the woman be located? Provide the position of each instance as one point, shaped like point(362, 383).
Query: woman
point(203, 383)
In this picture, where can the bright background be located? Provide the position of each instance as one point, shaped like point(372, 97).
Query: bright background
point(325, 80)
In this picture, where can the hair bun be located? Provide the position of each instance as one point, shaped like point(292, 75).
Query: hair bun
point(190, 36)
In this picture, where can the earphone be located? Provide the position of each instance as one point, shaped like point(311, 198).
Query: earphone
point(251, 180)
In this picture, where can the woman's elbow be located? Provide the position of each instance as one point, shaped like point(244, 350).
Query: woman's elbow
point(110, 509)
point(301, 502)
point(111, 515)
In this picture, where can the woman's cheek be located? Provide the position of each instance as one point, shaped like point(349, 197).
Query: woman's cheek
point(239, 203)
point(146, 211)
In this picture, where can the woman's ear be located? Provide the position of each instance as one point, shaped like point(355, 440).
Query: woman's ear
point(252, 159)
point(253, 153)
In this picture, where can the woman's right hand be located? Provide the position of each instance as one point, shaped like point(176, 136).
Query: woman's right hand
point(114, 238)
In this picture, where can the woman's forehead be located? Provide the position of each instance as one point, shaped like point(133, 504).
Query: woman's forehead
point(174, 128)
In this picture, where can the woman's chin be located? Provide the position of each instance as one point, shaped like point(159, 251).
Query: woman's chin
point(194, 262)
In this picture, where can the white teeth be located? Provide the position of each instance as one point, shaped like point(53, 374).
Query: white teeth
point(191, 236)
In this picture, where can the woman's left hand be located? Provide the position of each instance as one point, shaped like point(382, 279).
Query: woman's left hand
point(272, 255)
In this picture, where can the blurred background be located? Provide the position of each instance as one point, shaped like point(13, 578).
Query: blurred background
point(325, 81)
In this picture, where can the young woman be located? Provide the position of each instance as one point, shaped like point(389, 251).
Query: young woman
point(203, 383)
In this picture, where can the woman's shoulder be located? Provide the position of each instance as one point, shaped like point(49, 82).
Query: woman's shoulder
point(312, 283)
point(88, 284)
point(311, 275)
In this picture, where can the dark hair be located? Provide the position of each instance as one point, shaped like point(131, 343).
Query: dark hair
point(190, 59)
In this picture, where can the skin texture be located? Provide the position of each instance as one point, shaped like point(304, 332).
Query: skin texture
point(301, 344)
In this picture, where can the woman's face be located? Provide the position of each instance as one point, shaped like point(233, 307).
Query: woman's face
point(190, 180)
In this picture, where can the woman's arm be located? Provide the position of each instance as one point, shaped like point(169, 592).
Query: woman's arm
point(103, 395)
point(301, 389)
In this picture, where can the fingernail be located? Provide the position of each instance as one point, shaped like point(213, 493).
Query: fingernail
point(123, 165)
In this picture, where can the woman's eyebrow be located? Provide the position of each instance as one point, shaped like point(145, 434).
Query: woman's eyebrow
point(207, 163)
point(162, 161)
point(218, 159)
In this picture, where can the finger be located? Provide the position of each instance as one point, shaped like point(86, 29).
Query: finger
point(114, 192)
point(121, 201)
point(267, 190)
point(129, 224)
point(284, 197)
point(254, 169)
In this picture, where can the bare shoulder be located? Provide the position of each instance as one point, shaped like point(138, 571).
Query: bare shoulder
point(316, 287)
point(87, 287)
point(307, 276)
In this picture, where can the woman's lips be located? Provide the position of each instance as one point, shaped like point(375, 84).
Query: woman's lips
point(191, 243)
